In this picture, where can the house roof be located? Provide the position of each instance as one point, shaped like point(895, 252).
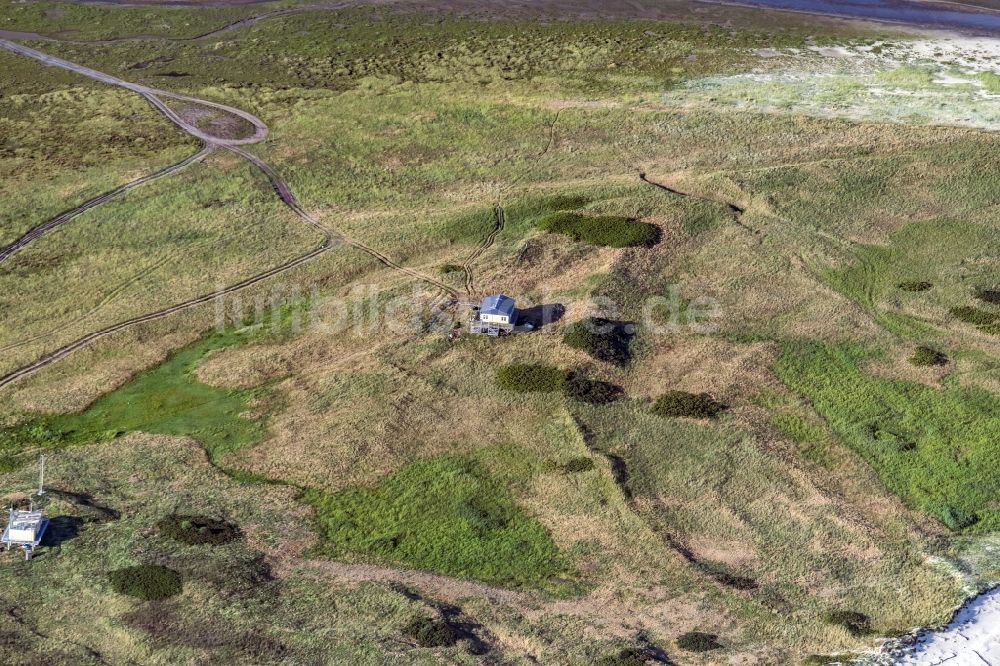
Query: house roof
point(497, 304)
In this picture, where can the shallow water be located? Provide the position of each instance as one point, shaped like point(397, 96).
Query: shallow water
point(910, 12)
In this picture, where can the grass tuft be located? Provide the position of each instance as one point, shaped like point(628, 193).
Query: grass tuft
point(915, 285)
point(973, 315)
point(991, 296)
point(592, 391)
point(683, 404)
point(198, 530)
point(603, 339)
point(605, 230)
point(928, 356)
point(857, 624)
point(149, 582)
point(698, 641)
point(430, 633)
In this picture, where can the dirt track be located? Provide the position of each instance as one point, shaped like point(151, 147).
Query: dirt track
point(153, 95)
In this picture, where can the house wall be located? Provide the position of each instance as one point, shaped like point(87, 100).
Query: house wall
point(499, 319)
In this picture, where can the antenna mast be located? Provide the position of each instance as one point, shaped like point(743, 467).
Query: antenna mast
point(41, 475)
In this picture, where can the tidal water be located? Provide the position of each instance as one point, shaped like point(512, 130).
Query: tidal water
point(910, 12)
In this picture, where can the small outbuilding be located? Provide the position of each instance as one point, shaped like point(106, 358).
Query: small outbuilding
point(25, 529)
point(496, 315)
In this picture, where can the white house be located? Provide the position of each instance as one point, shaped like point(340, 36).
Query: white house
point(496, 316)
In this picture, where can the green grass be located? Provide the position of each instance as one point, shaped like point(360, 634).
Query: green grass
point(919, 251)
point(528, 377)
point(167, 399)
point(447, 514)
point(935, 448)
point(605, 230)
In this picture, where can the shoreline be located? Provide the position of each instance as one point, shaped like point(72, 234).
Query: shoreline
point(915, 27)
point(971, 628)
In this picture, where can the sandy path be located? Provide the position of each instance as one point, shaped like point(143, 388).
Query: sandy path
point(153, 95)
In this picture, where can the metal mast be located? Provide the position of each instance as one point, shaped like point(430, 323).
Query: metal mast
point(41, 475)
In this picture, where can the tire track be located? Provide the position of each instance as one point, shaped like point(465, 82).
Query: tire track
point(111, 296)
point(281, 187)
point(64, 217)
point(499, 221)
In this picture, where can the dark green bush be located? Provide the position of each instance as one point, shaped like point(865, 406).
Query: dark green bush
point(698, 641)
point(971, 315)
point(857, 624)
point(606, 230)
point(574, 465)
point(146, 581)
point(628, 657)
point(430, 632)
point(197, 530)
point(915, 285)
point(692, 405)
point(603, 339)
point(590, 390)
point(988, 295)
point(527, 377)
point(927, 356)
point(444, 269)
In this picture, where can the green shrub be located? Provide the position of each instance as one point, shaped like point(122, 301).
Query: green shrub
point(146, 581)
point(988, 295)
point(924, 356)
point(971, 315)
point(526, 378)
point(915, 285)
point(591, 391)
point(430, 632)
point(698, 641)
point(603, 339)
point(691, 405)
point(196, 530)
point(575, 465)
point(857, 624)
point(628, 657)
point(606, 230)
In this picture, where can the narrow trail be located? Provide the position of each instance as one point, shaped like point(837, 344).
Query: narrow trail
point(735, 212)
point(64, 217)
point(499, 221)
point(153, 95)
